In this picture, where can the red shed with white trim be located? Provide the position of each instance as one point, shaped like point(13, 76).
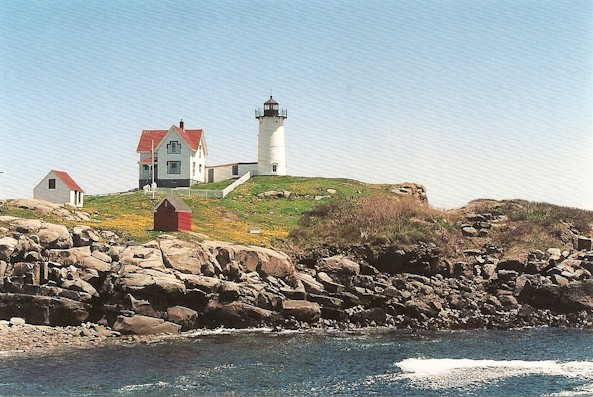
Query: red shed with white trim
point(172, 214)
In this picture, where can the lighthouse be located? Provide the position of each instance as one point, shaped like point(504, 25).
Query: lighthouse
point(271, 153)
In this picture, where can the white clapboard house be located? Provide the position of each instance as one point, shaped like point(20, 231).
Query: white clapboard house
point(175, 157)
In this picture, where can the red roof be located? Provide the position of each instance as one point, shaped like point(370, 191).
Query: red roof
point(191, 137)
point(147, 160)
point(67, 179)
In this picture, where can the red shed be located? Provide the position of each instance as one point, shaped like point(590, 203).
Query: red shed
point(172, 214)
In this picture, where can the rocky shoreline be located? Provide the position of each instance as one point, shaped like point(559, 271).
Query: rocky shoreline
point(88, 287)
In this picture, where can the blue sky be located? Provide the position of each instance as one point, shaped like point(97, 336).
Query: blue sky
point(473, 99)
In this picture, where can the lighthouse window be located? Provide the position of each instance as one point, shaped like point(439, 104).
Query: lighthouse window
point(173, 167)
point(173, 147)
point(274, 167)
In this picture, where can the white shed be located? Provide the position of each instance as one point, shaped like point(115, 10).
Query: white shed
point(58, 187)
point(217, 173)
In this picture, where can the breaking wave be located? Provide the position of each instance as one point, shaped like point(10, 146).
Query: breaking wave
point(447, 373)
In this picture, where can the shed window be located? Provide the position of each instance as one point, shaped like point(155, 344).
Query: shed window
point(173, 147)
point(173, 167)
point(235, 170)
point(52, 183)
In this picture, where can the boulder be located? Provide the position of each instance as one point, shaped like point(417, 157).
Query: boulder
point(326, 301)
point(310, 284)
point(142, 256)
point(101, 256)
point(25, 273)
point(91, 262)
point(185, 257)
point(568, 298)
point(339, 268)
point(26, 225)
point(16, 321)
point(143, 325)
point(70, 256)
point(204, 283)
point(7, 247)
point(43, 310)
point(374, 315)
point(269, 300)
point(84, 235)
point(512, 264)
point(149, 283)
point(329, 284)
point(54, 236)
point(273, 263)
point(34, 204)
point(237, 315)
point(80, 285)
point(418, 308)
point(469, 231)
point(309, 312)
point(583, 243)
point(181, 314)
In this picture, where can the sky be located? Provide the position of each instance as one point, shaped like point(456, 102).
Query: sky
point(472, 99)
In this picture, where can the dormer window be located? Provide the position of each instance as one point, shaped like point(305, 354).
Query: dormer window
point(173, 147)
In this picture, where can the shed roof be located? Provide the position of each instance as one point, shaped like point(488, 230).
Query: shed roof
point(176, 202)
point(67, 179)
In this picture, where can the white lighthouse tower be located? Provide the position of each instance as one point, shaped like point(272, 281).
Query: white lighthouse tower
point(271, 153)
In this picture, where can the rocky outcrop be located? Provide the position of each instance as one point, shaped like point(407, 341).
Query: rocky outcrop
point(411, 189)
point(54, 276)
point(143, 325)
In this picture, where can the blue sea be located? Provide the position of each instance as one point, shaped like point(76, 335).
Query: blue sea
point(530, 362)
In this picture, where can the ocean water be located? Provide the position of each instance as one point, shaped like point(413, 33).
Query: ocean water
point(530, 362)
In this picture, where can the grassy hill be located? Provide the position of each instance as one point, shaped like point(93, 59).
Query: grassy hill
point(339, 213)
point(230, 218)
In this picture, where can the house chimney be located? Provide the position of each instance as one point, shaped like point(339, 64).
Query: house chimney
point(181, 123)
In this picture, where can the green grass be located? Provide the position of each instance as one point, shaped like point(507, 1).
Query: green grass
point(229, 218)
point(357, 213)
point(213, 186)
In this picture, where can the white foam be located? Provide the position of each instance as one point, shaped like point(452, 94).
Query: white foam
point(143, 386)
point(461, 373)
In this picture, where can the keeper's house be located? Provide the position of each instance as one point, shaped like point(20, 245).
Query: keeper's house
point(176, 156)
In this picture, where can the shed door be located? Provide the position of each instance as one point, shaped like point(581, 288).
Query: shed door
point(211, 175)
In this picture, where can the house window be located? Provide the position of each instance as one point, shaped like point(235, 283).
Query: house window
point(235, 170)
point(200, 168)
point(193, 168)
point(173, 167)
point(52, 183)
point(200, 151)
point(274, 168)
point(173, 147)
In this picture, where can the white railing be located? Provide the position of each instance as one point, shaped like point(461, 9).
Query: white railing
point(238, 182)
point(187, 192)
